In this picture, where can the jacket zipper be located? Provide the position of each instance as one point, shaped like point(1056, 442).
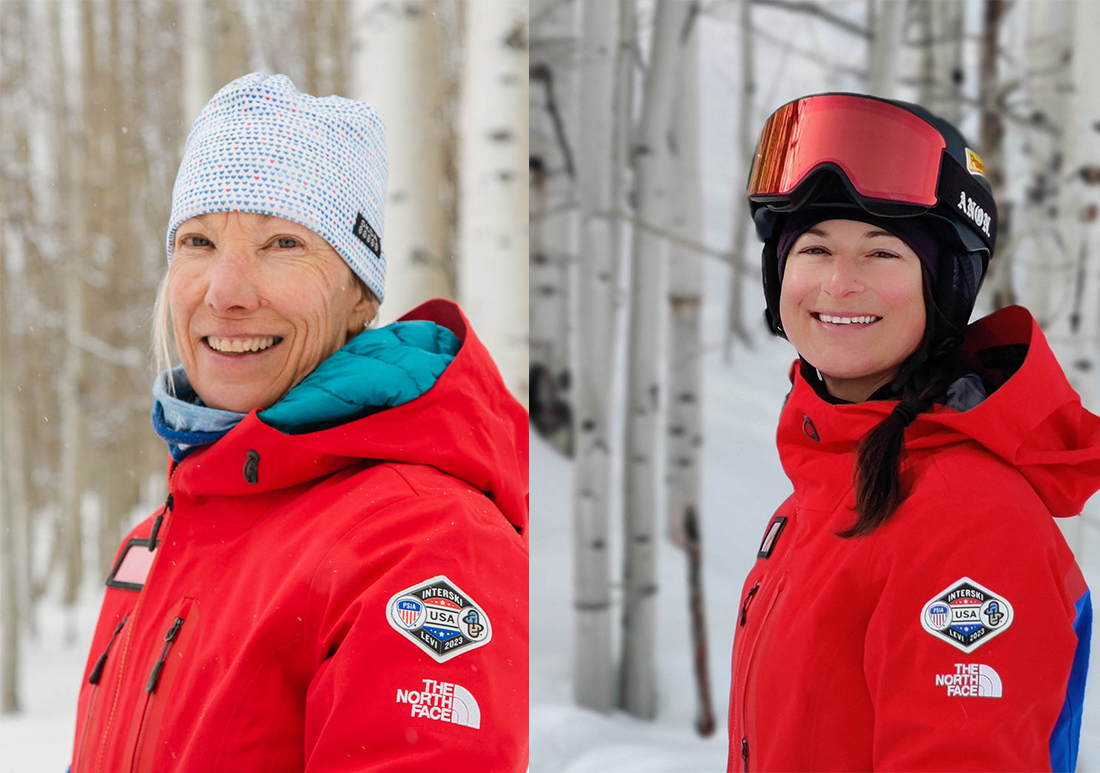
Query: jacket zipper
point(157, 522)
point(93, 679)
point(151, 685)
point(129, 636)
point(746, 658)
point(745, 605)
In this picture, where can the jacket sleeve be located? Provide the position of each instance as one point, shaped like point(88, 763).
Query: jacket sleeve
point(977, 649)
point(458, 700)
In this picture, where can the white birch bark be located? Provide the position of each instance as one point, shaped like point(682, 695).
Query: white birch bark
point(685, 433)
point(554, 227)
point(942, 71)
point(685, 304)
point(886, 47)
point(70, 526)
point(1044, 266)
point(396, 68)
point(15, 168)
point(647, 309)
point(593, 675)
point(746, 145)
point(493, 238)
point(1075, 332)
point(196, 60)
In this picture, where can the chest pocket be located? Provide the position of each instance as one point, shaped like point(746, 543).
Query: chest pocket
point(771, 536)
point(165, 666)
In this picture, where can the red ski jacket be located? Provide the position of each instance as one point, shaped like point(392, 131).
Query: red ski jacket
point(347, 599)
point(956, 635)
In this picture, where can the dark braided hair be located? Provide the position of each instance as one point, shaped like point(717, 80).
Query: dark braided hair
point(921, 383)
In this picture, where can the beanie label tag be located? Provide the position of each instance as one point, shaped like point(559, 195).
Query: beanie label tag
point(367, 235)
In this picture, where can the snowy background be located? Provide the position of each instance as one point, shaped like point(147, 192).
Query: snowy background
point(743, 483)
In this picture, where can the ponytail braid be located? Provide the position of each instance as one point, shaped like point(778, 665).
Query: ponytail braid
point(924, 380)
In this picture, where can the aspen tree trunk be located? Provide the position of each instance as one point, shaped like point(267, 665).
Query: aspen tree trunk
point(942, 73)
point(992, 137)
point(623, 128)
point(116, 419)
point(643, 381)
point(554, 164)
point(12, 513)
point(1044, 267)
point(493, 205)
point(230, 61)
point(14, 166)
point(197, 88)
point(1075, 332)
point(685, 432)
point(746, 144)
point(593, 676)
point(70, 387)
point(402, 40)
point(886, 47)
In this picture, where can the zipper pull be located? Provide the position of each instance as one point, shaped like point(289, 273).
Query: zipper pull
point(97, 672)
point(154, 677)
point(156, 524)
point(745, 753)
point(745, 605)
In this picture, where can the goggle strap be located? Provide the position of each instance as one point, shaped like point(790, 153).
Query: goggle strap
point(960, 191)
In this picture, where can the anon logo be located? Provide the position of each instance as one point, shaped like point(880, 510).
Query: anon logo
point(439, 618)
point(970, 208)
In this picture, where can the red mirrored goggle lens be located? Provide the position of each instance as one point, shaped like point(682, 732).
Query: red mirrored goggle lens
point(886, 152)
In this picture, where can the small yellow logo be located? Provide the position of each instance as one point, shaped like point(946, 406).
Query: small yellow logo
point(974, 164)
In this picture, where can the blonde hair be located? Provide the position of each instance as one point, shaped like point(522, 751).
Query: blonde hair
point(164, 341)
point(163, 335)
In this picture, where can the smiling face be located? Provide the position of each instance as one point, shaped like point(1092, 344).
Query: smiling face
point(257, 303)
point(852, 303)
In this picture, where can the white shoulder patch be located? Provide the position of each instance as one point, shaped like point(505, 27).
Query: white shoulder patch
point(439, 618)
point(966, 615)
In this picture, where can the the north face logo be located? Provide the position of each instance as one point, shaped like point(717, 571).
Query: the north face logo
point(443, 702)
point(971, 680)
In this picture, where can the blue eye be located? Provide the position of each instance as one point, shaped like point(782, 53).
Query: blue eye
point(195, 241)
point(288, 243)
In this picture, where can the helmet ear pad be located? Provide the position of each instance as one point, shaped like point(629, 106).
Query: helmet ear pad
point(955, 292)
point(769, 264)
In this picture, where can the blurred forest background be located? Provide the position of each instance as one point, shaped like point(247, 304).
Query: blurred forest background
point(644, 118)
point(96, 99)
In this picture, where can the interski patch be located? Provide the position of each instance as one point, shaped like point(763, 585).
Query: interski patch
point(966, 615)
point(439, 618)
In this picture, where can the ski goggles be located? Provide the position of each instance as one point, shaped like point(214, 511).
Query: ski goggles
point(893, 161)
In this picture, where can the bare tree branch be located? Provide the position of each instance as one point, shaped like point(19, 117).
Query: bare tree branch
point(543, 74)
point(803, 6)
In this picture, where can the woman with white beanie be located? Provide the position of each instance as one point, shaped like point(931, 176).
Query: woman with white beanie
point(338, 578)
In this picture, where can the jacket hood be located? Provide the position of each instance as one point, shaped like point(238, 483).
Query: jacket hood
point(466, 424)
point(1032, 420)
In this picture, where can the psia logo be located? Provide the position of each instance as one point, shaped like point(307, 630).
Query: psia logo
point(439, 618)
point(442, 702)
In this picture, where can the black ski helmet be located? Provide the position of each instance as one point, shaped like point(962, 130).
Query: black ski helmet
point(891, 159)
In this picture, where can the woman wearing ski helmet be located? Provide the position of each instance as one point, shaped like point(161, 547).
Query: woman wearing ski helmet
point(337, 580)
point(913, 605)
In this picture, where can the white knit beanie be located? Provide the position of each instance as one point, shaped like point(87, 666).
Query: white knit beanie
point(262, 146)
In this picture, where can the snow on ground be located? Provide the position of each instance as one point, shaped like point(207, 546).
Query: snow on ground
point(40, 739)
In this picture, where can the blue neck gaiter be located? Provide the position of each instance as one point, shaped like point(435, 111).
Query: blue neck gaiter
point(184, 421)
